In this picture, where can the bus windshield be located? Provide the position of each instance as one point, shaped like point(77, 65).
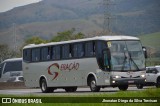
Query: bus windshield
point(126, 55)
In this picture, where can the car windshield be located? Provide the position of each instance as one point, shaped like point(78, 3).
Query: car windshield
point(126, 55)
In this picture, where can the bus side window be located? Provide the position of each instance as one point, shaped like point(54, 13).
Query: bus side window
point(36, 54)
point(89, 49)
point(45, 53)
point(66, 51)
point(27, 55)
point(78, 50)
point(56, 52)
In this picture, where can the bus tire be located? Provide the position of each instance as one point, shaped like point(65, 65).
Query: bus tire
point(123, 87)
point(44, 88)
point(93, 86)
point(139, 86)
point(158, 83)
point(70, 89)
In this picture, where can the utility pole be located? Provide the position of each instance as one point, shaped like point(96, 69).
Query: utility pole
point(14, 37)
point(107, 17)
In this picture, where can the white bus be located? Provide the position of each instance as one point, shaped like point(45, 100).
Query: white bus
point(97, 62)
point(10, 69)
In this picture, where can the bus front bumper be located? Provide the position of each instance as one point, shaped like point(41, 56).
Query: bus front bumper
point(127, 81)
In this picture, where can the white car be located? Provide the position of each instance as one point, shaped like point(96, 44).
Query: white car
point(152, 77)
point(10, 68)
point(16, 79)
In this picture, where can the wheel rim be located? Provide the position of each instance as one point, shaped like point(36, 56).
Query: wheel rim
point(93, 84)
point(43, 86)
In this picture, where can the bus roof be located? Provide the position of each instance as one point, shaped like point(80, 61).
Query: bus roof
point(107, 38)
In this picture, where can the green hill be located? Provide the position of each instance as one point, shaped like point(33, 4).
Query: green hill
point(151, 40)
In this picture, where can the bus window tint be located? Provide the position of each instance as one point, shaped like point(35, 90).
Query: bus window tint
point(89, 49)
point(45, 53)
point(56, 52)
point(36, 54)
point(13, 66)
point(27, 55)
point(66, 51)
point(78, 50)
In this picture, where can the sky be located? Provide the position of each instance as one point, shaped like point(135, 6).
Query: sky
point(6, 5)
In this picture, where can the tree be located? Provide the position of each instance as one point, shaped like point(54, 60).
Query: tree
point(67, 35)
point(6, 53)
point(78, 36)
point(35, 40)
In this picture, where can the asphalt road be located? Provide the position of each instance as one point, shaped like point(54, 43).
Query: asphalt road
point(80, 91)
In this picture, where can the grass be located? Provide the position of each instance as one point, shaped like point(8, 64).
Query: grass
point(146, 93)
point(153, 61)
point(151, 40)
point(150, 92)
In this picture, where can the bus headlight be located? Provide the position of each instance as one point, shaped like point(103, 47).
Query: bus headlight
point(116, 77)
point(143, 76)
point(113, 81)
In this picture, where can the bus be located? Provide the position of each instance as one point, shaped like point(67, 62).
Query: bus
point(98, 62)
point(10, 69)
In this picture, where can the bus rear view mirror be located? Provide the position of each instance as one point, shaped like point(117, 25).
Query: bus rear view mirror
point(144, 51)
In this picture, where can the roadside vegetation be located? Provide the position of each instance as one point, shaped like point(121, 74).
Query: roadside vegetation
point(151, 92)
point(152, 42)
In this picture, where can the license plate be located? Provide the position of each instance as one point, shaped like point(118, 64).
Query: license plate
point(130, 81)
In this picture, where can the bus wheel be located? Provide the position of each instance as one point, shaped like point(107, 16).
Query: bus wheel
point(44, 88)
point(70, 89)
point(158, 83)
point(92, 84)
point(123, 87)
point(139, 86)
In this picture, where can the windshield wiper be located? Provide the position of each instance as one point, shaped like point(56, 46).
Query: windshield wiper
point(130, 58)
point(125, 58)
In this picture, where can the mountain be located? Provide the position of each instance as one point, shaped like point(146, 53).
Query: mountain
point(46, 18)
